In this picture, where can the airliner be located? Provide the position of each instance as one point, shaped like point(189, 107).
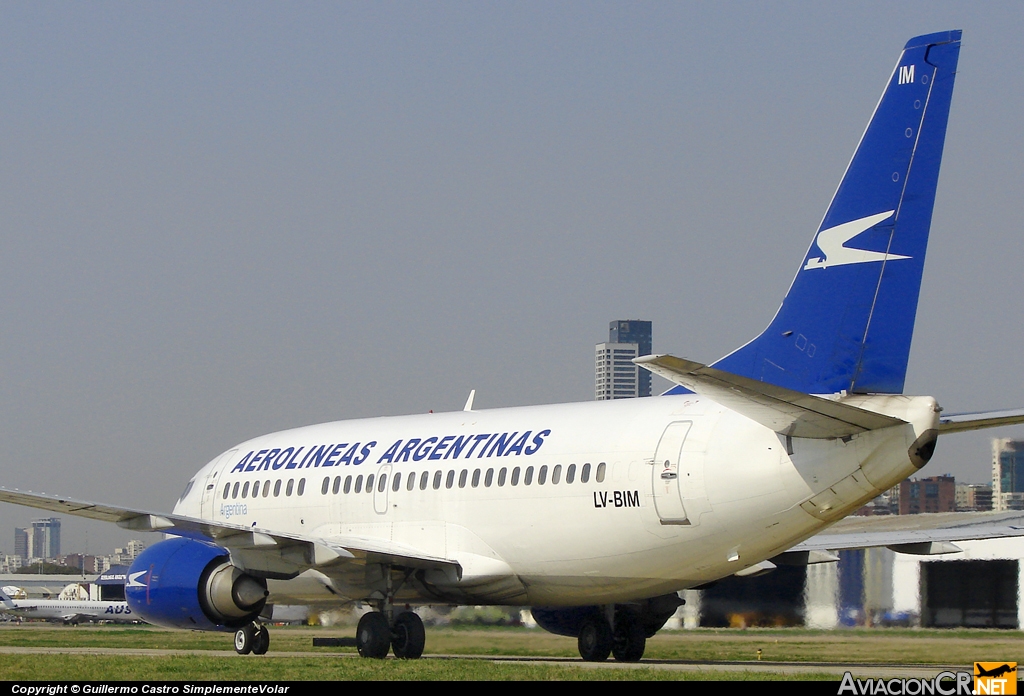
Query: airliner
point(596, 515)
point(68, 611)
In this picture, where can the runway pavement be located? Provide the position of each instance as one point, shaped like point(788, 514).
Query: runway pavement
point(859, 670)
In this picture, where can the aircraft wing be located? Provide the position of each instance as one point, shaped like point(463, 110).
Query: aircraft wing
point(927, 534)
point(960, 422)
point(260, 551)
point(783, 410)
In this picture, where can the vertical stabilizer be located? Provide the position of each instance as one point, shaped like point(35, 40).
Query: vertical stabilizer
point(848, 318)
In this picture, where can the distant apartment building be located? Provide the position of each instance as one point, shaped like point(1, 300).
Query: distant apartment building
point(973, 497)
point(1007, 474)
point(87, 564)
point(933, 494)
point(616, 375)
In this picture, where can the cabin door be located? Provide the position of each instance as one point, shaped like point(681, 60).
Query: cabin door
point(381, 487)
point(209, 500)
point(668, 494)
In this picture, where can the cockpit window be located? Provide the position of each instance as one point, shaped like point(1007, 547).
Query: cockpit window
point(188, 487)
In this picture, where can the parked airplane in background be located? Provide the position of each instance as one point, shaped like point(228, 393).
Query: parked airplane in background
point(597, 514)
point(67, 610)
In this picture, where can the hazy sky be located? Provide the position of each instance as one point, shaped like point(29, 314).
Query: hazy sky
point(224, 219)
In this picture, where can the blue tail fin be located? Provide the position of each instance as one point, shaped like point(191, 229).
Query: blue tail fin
point(848, 318)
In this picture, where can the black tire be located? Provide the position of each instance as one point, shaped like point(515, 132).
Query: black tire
point(408, 636)
point(244, 639)
point(630, 641)
point(373, 636)
point(595, 639)
point(261, 643)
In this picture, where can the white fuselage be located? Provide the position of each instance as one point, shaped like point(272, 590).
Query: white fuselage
point(68, 610)
point(555, 505)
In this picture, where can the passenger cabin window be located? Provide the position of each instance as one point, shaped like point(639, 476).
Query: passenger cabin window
point(369, 483)
point(277, 488)
point(585, 474)
point(556, 474)
point(266, 489)
point(437, 480)
point(489, 478)
point(227, 489)
point(462, 478)
point(570, 473)
point(600, 472)
point(542, 475)
point(528, 479)
point(348, 484)
point(326, 486)
point(501, 476)
point(515, 476)
point(359, 484)
point(450, 481)
point(476, 478)
point(382, 483)
point(337, 485)
point(424, 477)
point(302, 487)
point(290, 487)
point(245, 490)
point(234, 491)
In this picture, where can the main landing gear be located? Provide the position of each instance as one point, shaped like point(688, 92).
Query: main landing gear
point(405, 636)
point(401, 632)
point(253, 638)
point(624, 637)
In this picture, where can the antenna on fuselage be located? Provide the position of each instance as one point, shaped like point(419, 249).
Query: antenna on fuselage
point(469, 401)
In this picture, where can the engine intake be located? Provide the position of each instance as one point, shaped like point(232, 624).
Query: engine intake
point(184, 583)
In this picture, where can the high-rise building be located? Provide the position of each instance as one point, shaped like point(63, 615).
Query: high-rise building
point(46, 538)
point(1007, 474)
point(616, 375)
point(22, 543)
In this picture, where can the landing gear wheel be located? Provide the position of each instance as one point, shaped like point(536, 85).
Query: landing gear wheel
point(261, 643)
point(630, 640)
point(244, 639)
point(408, 636)
point(373, 635)
point(595, 639)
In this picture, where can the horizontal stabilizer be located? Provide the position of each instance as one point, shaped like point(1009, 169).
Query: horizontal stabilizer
point(783, 410)
point(961, 422)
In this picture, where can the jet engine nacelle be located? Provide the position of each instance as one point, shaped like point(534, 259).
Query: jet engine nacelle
point(184, 583)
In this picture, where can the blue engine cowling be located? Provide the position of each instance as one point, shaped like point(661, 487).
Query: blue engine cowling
point(184, 583)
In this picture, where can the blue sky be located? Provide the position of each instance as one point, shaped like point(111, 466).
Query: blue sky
point(225, 219)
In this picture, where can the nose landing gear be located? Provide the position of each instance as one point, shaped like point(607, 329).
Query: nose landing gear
point(253, 638)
